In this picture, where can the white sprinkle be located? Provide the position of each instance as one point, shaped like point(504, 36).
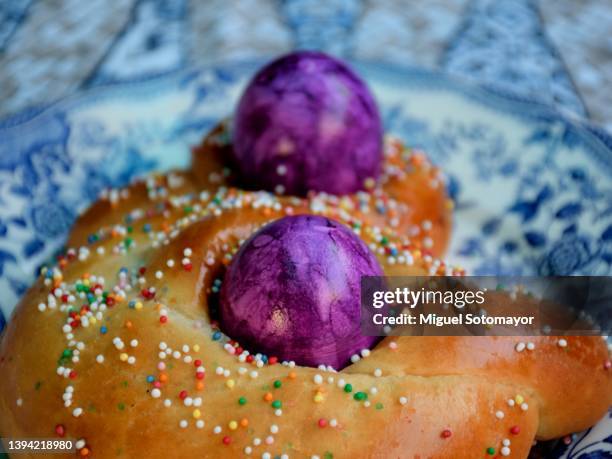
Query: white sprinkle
point(510, 402)
point(167, 403)
point(100, 358)
point(19, 401)
point(562, 343)
point(200, 424)
point(188, 401)
point(187, 252)
point(131, 360)
point(281, 169)
point(159, 274)
point(183, 424)
point(170, 263)
point(80, 444)
point(156, 393)
point(341, 383)
point(520, 347)
point(134, 343)
point(355, 358)
point(77, 412)
point(505, 451)
point(248, 450)
point(367, 403)
point(530, 346)
point(269, 440)
point(499, 414)
point(392, 345)
point(403, 400)
point(274, 428)
point(278, 412)
point(253, 374)
point(333, 422)
point(42, 307)
point(506, 442)
point(266, 456)
point(365, 353)
point(524, 406)
point(318, 379)
point(256, 441)
point(378, 372)
point(373, 390)
point(217, 430)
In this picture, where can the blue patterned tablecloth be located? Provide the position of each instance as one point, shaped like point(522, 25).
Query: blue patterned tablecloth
point(560, 52)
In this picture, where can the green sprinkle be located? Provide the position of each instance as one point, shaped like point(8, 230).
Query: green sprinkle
point(276, 404)
point(130, 229)
point(121, 406)
point(67, 353)
point(348, 388)
point(384, 240)
point(188, 209)
point(490, 450)
point(379, 406)
point(37, 385)
point(277, 384)
point(359, 396)
point(328, 455)
point(242, 401)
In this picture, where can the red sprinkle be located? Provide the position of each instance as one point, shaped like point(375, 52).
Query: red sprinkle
point(446, 433)
point(60, 430)
point(157, 384)
point(188, 266)
point(183, 394)
point(163, 319)
point(272, 360)
point(72, 374)
point(322, 422)
point(199, 374)
point(515, 430)
point(197, 363)
point(607, 365)
point(227, 440)
point(249, 358)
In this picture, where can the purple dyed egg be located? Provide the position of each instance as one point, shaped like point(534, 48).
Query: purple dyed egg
point(293, 291)
point(307, 122)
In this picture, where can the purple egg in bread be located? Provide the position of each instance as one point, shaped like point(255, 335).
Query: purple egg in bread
point(307, 122)
point(293, 291)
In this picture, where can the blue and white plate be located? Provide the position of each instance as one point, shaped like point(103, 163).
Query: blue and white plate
point(533, 187)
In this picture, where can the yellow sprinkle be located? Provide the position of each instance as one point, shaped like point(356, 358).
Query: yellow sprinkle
point(233, 425)
point(196, 347)
point(86, 282)
point(196, 413)
point(230, 383)
point(138, 305)
point(450, 205)
point(123, 356)
point(93, 320)
point(318, 398)
point(519, 399)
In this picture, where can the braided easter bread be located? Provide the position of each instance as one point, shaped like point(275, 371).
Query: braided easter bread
point(116, 347)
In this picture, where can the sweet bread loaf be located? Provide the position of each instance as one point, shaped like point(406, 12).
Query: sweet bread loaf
point(115, 346)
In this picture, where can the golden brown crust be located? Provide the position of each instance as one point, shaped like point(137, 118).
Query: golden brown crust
point(437, 398)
